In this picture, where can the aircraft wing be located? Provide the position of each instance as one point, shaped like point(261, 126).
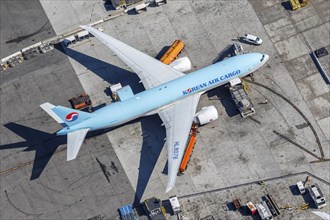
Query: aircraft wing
point(151, 71)
point(178, 119)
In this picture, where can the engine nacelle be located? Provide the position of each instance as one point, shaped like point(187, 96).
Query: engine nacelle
point(182, 64)
point(206, 115)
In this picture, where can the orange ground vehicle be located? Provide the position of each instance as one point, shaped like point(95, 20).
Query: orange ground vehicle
point(189, 149)
point(81, 101)
point(251, 207)
point(173, 52)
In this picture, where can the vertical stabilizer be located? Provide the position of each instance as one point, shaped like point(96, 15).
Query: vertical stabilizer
point(65, 116)
point(47, 107)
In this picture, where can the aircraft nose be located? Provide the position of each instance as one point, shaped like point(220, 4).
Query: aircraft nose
point(264, 58)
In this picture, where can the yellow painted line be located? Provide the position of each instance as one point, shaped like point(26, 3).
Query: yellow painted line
point(28, 163)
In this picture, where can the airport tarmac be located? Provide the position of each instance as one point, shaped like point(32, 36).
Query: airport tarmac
point(22, 24)
point(230, 151)
point(218, 203)
point(37, 183)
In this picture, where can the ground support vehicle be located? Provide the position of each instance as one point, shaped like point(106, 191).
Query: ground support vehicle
point(272, 205)
point(127, 213)
point(301, 187)
point(175, 204)
point(173, 52)
point(296, 4)
point(251, 207)
point(141, 7)
point(263, 211)
point(114, 88)
point(237, 204)
point(160, 2)
point(30, 53)
point(154, 208)
point(189, 149)
point(45, 47)
point(317, 195)
point(81, 102)
point(321, 52)
point(252, 39)
point(241, 98)
point(238, 49)
point(3, 67)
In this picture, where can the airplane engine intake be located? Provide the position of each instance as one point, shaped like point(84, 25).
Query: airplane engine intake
point(206, 115)
point(182, 64)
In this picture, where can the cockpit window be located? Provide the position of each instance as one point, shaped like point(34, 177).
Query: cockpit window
point(262, 58)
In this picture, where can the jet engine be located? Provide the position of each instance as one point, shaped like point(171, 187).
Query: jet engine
point(206, 115)
point(182, 64)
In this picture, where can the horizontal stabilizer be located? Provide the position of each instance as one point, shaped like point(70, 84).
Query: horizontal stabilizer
point(75, 140)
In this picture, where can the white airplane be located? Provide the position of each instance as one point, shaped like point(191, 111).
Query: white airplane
point(169, 93)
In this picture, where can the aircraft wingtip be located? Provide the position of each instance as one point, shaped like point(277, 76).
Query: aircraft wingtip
point(46, 105)
point(168, 188)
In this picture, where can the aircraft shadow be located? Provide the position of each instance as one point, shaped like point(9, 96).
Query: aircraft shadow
point(223, 95)
point(161, 52)
point(153, 142)
point(152, 131)
point(225, 53)
point(106, 71)
point(44, 144)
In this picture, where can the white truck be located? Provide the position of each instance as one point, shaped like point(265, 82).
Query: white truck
point(175, 204)
point(301, 187)
point(252, 39)
point(240, 97)
point(317, 195)
point(264, 211)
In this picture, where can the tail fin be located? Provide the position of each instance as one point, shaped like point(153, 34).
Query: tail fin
point(68, 117)
point(65, 116)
